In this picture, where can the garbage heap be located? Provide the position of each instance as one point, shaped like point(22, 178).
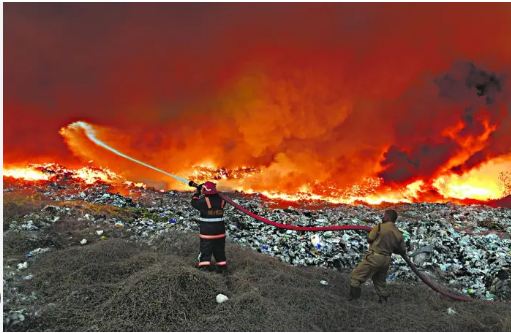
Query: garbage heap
point(466, 248)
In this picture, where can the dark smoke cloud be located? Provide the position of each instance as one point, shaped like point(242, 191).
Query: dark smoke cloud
point(468, 96)
point(465, 80)
point(422, 161)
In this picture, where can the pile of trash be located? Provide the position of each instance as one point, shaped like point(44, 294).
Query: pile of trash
point(466, 248)
point(469, 257)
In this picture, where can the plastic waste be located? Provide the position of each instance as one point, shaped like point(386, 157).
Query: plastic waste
point(451, 311)
point(22, 266)
point(316, 242)
point(464, 250)
point(406, 235)
point(221, 298)
point(37, 251)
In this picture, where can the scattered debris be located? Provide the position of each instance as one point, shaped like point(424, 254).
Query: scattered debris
point(220, 298)
point(83, 241)
point(14, 317)
point(324, 282)
point(22, 266)
point(37, 251)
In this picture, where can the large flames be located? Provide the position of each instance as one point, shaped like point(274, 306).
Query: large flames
point(337, 102)
point(285, 143)
point(50, 171)
point(476, 184)
point(350, 105)
point(28, 174)
point(481, 183)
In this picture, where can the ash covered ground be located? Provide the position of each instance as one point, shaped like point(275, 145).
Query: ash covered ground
point(81, 256)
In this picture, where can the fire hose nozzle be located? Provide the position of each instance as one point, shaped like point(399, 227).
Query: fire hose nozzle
point(191, 183)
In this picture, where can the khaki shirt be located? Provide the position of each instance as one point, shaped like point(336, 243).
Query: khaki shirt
point(386, 239)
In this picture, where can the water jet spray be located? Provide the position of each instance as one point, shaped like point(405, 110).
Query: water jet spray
point(91, 134)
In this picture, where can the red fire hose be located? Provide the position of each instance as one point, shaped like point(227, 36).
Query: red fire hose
point(434, 287)
point(292, 227)
point(421, 276)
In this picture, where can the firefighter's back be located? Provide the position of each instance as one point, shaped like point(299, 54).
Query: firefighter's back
point(388, 240)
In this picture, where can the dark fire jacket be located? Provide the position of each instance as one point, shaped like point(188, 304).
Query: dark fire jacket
point(211, 219)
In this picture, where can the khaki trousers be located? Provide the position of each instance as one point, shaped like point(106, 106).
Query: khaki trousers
point(373, 266)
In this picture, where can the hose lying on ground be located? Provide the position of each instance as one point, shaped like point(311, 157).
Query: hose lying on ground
point(421, 276)
point(90, 133)
point(290, 226)
point(433, 286)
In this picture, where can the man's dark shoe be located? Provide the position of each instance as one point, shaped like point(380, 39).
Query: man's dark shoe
point(354, 293)
point(207, 268)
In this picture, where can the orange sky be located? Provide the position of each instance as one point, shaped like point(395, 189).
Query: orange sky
point(325, 93)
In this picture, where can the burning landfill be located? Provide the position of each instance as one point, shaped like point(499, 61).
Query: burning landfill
point(464, 247)
point(316, 115)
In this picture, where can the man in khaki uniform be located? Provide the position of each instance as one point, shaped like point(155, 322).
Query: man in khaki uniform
point(384, 239)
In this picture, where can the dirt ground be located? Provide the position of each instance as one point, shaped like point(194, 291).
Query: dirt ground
point(119, 285)
point(116, 285)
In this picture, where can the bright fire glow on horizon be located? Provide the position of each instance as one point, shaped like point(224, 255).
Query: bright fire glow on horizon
point(479, 183)
point(36, 172)
point(473, 188)
point(24, 173)
point(343, 102)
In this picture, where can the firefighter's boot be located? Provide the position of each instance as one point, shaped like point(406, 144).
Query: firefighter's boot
point(354, 293)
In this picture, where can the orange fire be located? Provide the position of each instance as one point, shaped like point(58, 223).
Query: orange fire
point(87, 174)
point(352, 104)
point(27, 174)
point(481, 184)
point(478, 183)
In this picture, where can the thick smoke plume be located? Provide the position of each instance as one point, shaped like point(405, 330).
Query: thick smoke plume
point(456, 127)
point(320, 98)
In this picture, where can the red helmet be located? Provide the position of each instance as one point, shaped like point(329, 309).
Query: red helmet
point(209, 188)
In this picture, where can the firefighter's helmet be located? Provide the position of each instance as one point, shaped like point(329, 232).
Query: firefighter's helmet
point(209, 188)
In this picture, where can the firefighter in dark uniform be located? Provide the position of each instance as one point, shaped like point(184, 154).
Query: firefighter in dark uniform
point(384, 239)
point(211, 227)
